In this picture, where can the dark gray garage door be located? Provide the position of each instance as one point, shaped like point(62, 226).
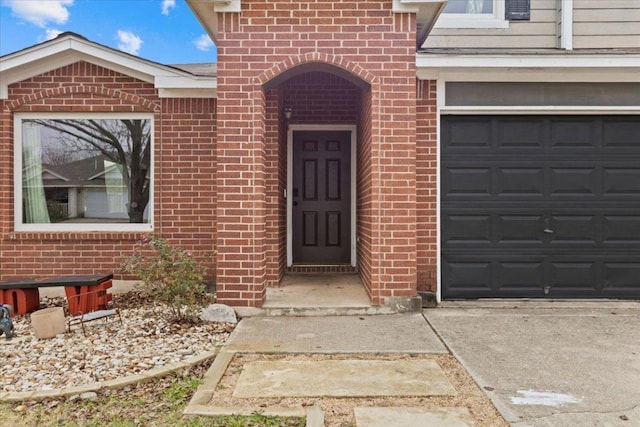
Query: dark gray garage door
point(540, 206)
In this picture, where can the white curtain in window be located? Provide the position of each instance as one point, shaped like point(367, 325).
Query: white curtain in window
point(475, 6)
point(35, 202)
point(116, 190)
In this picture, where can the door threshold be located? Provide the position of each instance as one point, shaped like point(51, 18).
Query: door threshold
point(322, 268)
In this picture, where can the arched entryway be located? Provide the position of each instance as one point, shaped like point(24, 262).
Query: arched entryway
point(319, 114)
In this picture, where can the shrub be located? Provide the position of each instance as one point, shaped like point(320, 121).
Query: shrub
point(170, 274)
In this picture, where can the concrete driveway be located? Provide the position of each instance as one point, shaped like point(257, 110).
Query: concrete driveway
point(550, 363)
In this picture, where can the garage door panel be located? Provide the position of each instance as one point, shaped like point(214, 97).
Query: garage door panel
point(520, 182)
point(621, 182)
point(622, 229)
point(468, 133)
point(521, 229)
point(622, 134)
point(468, 182)
point(574, 181)
point(465, 229)
point(567, 229)
point(574, 276)
point(574, 134)
point(468, 277)
point(521, 135)
point(621, 278)
point(519, 276)
point(549, 206)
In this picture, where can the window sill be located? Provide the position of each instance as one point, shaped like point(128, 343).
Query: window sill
point(44, 236)
point(83, 228)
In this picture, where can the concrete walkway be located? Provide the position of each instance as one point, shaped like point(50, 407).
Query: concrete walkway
point(550, 364)
point(357, 377)
point(397, 333)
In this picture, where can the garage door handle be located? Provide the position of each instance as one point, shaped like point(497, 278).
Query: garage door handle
point(547, 228)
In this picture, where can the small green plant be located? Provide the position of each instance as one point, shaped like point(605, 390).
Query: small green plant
point(170, 274)
point(181, 391)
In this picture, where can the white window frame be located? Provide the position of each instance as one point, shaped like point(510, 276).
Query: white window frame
point(475, 20)
point(75, 227)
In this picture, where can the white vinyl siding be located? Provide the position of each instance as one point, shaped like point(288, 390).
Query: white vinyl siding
point(606, 24)
point(539, 32)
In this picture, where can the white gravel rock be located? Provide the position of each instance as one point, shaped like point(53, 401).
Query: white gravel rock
point(110, 350)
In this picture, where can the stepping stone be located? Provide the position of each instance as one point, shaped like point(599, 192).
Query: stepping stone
point(412, 417)
point(343, 378)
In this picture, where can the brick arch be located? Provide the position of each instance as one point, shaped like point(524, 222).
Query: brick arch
point(94, 90)
point(349, 70)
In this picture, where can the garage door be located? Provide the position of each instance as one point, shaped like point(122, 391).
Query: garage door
point(540, 206)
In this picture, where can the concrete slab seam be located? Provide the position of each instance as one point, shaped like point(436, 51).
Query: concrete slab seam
point(437, 334)
point(212, 377)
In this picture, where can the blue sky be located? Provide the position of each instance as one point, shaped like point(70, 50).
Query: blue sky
point(164, 31)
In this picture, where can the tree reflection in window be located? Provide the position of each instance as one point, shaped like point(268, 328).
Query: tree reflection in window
point(86, 170)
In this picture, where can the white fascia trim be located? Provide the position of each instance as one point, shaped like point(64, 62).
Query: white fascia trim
point(185, 82)
point(528, 68)
point(187, 93)
point(39, 59)
point(226, 5)
point(585, 75)
point(529, 110)
point(413, 6)
point(425, 62)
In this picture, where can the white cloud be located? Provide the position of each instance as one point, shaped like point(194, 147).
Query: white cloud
point(49, 34)
point(166, 5)
point(40, 12)
point(129, 42)
point(203, 42)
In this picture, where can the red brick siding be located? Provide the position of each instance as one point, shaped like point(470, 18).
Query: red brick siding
point(185, 171)
point(184, 185)
point(426, 169)
point(364, 38)
point(276, 215)
point(320, 98)
point(365, 218)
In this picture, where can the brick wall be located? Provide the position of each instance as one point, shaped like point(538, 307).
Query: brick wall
point(365, 200)
point(362, 39)
point(426, 170)
point(184, 191)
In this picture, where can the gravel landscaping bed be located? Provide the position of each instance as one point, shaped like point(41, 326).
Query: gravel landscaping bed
point(110, 350)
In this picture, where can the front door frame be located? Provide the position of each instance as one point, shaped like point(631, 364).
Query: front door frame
point(289, 199)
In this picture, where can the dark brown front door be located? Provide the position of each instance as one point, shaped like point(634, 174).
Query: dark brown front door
point(321, 196)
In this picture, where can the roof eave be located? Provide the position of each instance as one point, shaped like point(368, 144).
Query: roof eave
point(427, 13)
point(68, 49)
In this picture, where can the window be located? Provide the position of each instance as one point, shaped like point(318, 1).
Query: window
point(83, 172)
point(473, 14)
